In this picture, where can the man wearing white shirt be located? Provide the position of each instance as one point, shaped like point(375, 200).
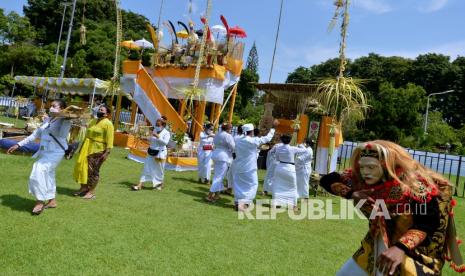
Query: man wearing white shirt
point(204, 154)
point(222, 158)
point(303, 167)
point(270, 167)
point(284, 179)
point(229, 175)
point(244, 167)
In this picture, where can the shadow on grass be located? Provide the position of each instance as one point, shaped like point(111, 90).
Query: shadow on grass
point(203, 189)
point(126, 184)
point(66, 191)
point(201, 195)
point(185, 179)
point(17, 203)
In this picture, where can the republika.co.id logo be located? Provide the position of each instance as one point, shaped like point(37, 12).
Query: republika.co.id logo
point(313, 209)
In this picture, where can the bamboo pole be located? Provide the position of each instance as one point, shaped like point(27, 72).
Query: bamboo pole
point(213, 111)
point(180, 101)
point(233, 101)
point(200, 115)
point(194, 119)
point(216, 119)
point(118, 109)
point(133, 113)
point(182, 112)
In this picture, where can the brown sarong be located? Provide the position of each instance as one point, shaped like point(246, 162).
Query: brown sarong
point(95, 161)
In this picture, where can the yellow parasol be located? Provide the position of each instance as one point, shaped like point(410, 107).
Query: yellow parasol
point(182, 34)
point(129, 44)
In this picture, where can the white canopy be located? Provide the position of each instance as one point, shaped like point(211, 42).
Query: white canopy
point(144, 44)
point(218, 29)
point(71, 86)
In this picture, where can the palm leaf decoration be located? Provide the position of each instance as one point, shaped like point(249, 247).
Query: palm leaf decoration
point(190, 94)
point(193, 92)
point(341, 97)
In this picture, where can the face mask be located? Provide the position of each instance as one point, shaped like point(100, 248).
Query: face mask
point(53, 109)
point(371, 170)
point(100, 114)
point(158, 129)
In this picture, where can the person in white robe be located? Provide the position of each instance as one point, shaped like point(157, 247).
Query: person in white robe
point(229, 175)
point(270, 167)
point(303, 168)
point(42, 183)
point(222, 159)
point(154, 165)
point(256, 133)
point(204, 154)
point(285, 180)
point(244, 166)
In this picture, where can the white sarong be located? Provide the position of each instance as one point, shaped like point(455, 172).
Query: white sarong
point(42, 182)
point(284, 185)
point(245, 186)
point(204, 163)
point(221, 170)
point(268, 182)
point(303, 180)
point(154, 171)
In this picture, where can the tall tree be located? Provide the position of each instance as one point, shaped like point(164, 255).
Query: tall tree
point(300, 75)
point(3, 26)
point(252, 59)
point(395, 112)
point(452, 105)
point(435, 73)
point(245, 89)
point(316, 72)
point(18, 29)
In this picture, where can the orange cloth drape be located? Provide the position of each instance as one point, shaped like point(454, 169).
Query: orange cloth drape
point(323, 135)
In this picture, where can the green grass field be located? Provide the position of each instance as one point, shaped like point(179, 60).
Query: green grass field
point(159, 232)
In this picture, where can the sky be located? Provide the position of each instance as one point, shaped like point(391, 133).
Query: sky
point(404, 28)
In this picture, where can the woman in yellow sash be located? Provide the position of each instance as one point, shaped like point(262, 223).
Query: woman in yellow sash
point(94, 151)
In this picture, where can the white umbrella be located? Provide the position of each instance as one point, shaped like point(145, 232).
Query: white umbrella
point(219, 29)
point(144, 44)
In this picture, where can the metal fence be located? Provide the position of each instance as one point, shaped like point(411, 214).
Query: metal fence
point(11, 102)
point(450, 166)
point(8, 107)
point(125, 116)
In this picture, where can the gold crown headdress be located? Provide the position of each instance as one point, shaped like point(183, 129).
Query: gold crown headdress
point(373, 150)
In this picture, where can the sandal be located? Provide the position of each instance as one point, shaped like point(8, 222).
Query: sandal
point(49, 206)
point(212, 197)
point(80, 193)
point(38, 209)
point(228, 191)
point(136, 187)
point(89, 196)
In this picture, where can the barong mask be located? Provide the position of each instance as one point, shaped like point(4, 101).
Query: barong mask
point(371, 163)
